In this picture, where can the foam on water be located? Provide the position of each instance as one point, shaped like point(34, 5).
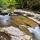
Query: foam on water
point(35, 31)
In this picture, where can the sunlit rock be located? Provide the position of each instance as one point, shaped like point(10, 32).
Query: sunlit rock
point(16, 34)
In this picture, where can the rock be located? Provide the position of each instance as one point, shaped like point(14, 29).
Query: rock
point(32, 15)
point(16, 34)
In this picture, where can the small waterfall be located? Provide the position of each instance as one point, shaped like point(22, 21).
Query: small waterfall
point(4, 20)
point(35, 32)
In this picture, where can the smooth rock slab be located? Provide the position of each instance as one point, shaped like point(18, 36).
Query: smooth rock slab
point(16, 34)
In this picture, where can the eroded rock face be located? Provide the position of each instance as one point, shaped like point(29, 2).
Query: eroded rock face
point(16, 34)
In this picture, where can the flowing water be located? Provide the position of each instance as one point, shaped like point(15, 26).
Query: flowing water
point(14, 32)
point(4, 20)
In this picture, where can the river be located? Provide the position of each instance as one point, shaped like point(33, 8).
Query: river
point(15, 32)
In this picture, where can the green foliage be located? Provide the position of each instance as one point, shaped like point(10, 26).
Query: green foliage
point(33, 4)
point(29, 4)
point(6, 3)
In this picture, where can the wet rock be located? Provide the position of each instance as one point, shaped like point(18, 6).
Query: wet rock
point(16, 34)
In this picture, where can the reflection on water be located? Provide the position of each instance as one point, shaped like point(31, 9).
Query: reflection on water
point(4, 20)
